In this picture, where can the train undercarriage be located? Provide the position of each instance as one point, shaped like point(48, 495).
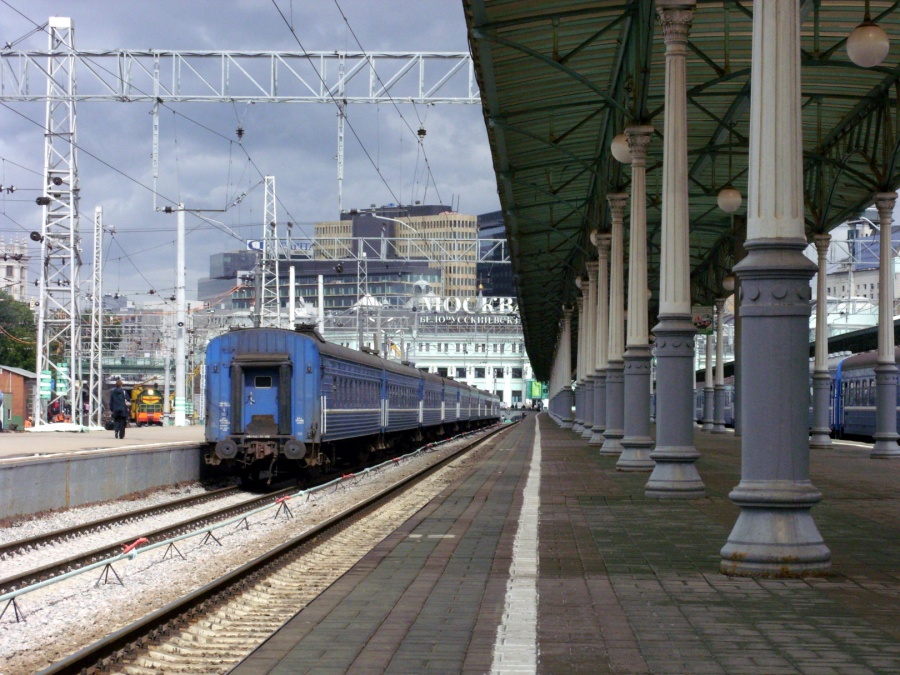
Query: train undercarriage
point(264, 460)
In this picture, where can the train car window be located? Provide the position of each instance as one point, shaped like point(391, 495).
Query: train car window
point(262, 382)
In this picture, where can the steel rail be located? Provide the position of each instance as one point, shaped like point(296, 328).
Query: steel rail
point(59, 567)
point(12, 547)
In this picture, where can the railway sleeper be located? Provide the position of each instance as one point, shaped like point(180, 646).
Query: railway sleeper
point(173, 653)
point(202, 647)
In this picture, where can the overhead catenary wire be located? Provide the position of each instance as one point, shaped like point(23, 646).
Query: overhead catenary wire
point(336, 103)
point(414, 132)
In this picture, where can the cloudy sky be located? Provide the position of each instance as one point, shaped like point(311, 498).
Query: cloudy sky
point(202, 162)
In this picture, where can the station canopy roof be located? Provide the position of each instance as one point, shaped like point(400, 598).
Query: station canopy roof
point(560, 78)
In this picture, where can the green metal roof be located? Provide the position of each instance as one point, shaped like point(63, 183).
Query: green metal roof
point(560, 78)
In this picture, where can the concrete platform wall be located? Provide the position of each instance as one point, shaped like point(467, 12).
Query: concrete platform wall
point(65, 480)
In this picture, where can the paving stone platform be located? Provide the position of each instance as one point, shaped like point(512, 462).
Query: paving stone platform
point(625, 584)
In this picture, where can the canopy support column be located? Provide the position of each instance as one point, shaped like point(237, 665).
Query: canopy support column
point(675, 474)
point(775, 534)
point(719, 408)
point(615, 368)
point(820, 436)
point(886, 371)
point(637, 443)
point(565, 358)
point(578, 422)
point(602, 242)
point(590, 359)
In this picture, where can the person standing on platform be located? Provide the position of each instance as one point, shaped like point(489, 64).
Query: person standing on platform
point(119, 409)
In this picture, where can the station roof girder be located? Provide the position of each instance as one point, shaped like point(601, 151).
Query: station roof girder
point(560, 78)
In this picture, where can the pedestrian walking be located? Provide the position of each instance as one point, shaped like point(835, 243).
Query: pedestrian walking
point(119, 409)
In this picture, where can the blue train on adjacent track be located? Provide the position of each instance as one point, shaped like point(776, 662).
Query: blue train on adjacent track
point(288, 401)
point(851, 398)
point(851, 403)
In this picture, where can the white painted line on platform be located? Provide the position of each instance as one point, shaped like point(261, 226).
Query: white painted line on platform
point(515, 648)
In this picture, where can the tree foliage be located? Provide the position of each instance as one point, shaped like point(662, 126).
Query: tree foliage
point(18, 333)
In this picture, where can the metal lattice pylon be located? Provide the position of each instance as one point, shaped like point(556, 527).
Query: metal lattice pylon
point(95, 339)
point(270, 307)
point(59, 329)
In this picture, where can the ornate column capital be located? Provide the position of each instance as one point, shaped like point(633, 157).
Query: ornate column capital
point(603, 243)
point(884, 202)
point(618, 201)
point(822, 242)
point(676, 18)
point(638, 141)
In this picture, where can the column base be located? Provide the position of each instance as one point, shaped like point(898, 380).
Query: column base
point(588, 432)
point(885, 416)
point(820, 439)
point(775, 535)
point(885, 448)
point(718, 428)
point(612, 443)
point(596, 437)
point(565, 423)
point(636, 455)
point(675, 476)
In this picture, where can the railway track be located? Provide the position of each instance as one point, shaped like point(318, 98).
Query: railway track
point(58, 567)
point(210, 629)
point(13, 548)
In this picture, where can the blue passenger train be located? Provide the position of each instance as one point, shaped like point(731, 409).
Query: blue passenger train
point(281, 400)
point(852, 397)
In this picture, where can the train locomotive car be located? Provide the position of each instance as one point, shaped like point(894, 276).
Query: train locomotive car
point(281, 400)
point(146, 405)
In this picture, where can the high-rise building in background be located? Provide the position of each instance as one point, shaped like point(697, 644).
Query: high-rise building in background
point(403, 281)
point(494, 279)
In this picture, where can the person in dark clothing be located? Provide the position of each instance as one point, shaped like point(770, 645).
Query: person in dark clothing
point(119, 409)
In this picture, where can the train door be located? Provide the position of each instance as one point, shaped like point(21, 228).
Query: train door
point(261, 404)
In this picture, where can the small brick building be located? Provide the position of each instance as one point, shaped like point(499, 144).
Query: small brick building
point(17, 385)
